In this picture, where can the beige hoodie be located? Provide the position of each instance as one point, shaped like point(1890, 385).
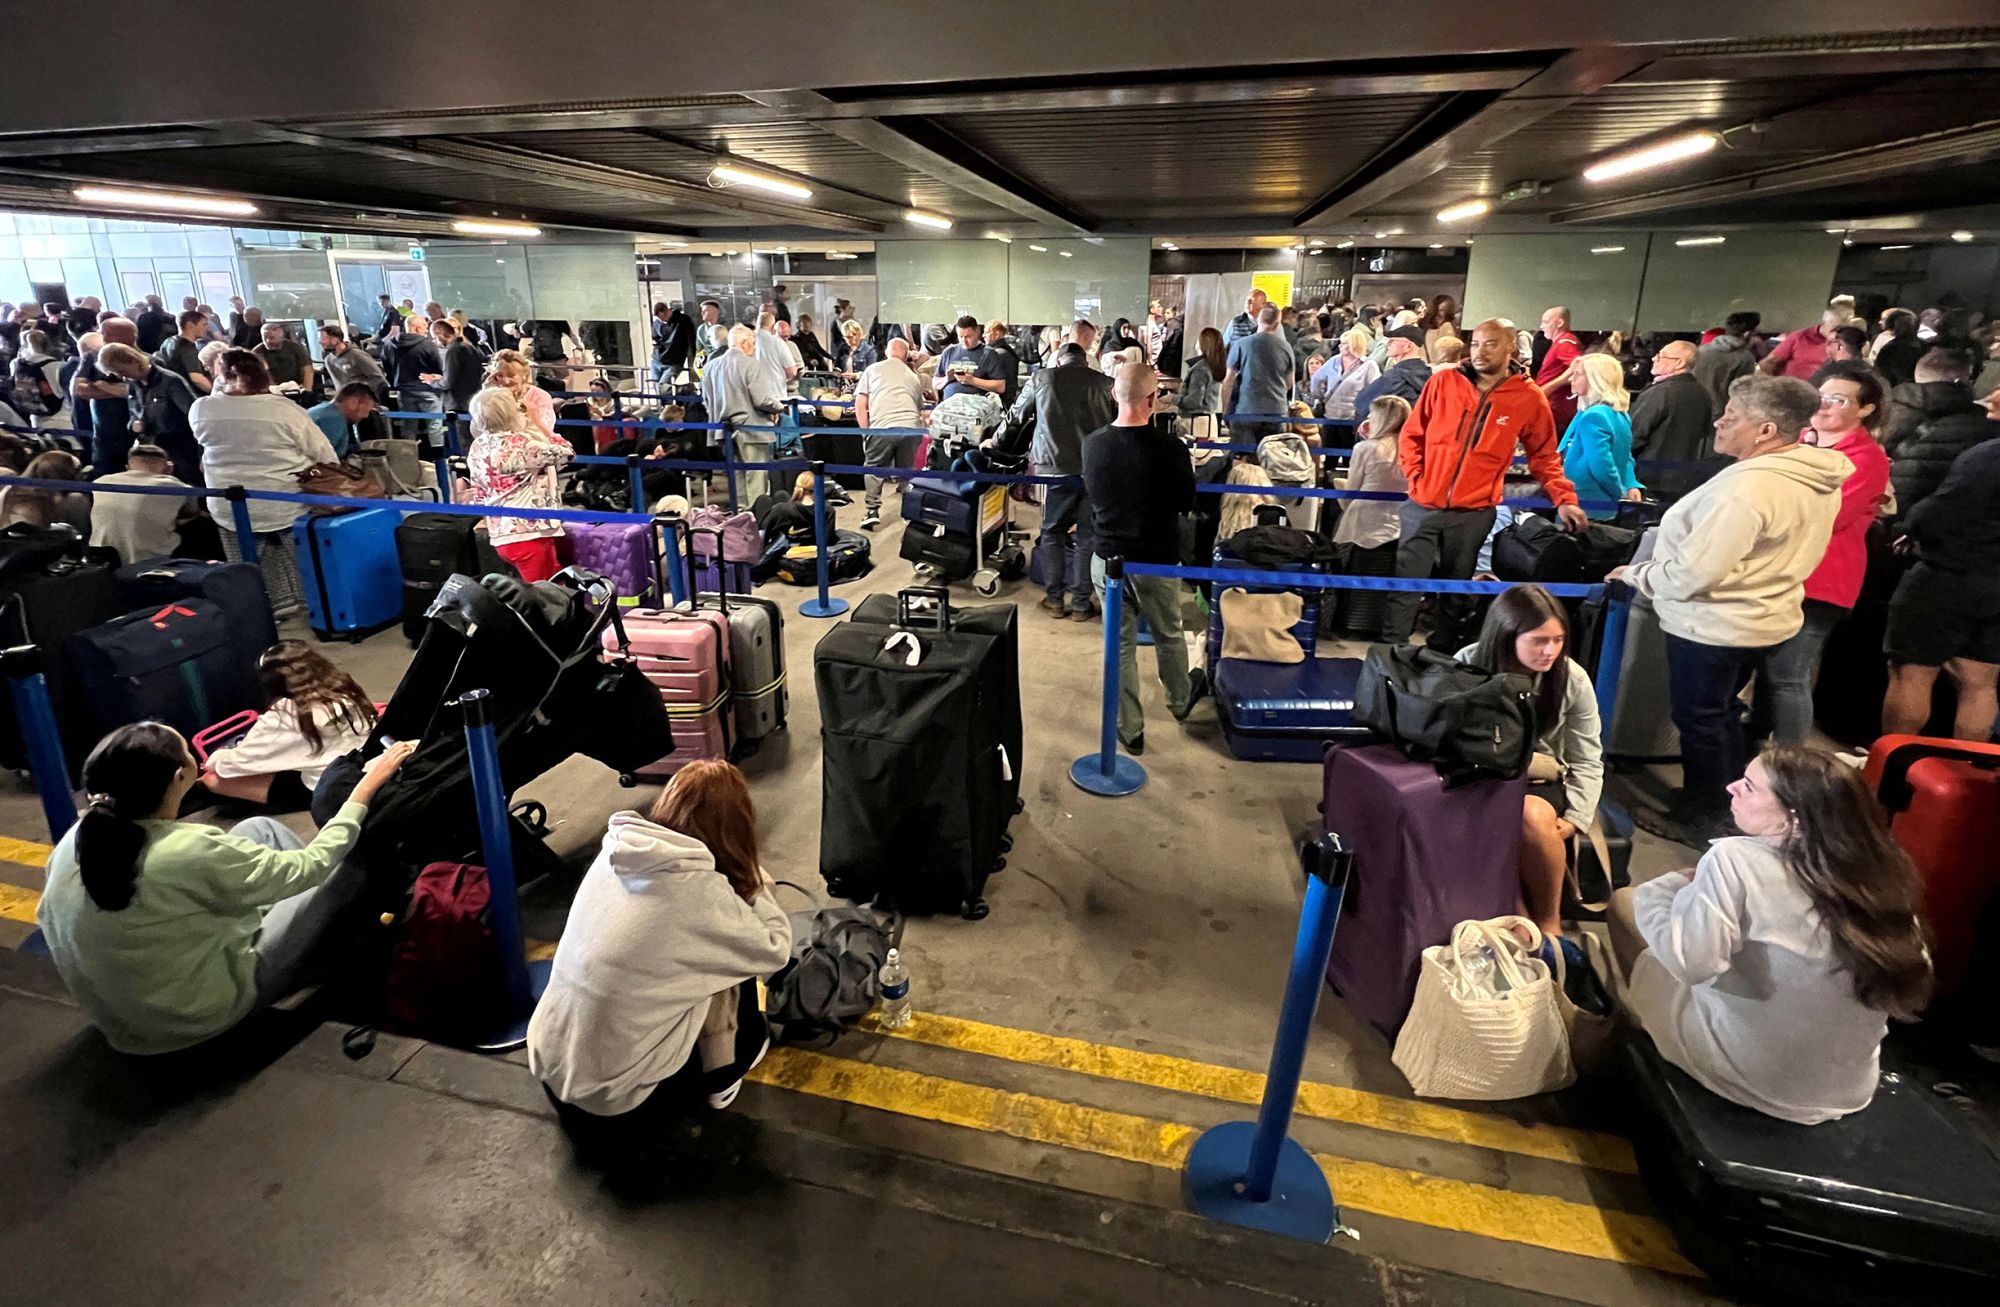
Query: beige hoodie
point(1732, 558)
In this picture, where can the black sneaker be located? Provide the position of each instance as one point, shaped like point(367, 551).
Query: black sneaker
point(1137, 747)
point(1197, 691)
point(1086, 613)
point(870, 522)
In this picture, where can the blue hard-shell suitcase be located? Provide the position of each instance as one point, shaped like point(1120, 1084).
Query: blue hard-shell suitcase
point(1286, 712)
point(350, 572)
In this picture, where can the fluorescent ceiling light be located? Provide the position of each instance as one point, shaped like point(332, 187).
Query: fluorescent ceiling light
point(1659, 155)
point(997, 236)
point(1892, 247)
point(1345, 245)
point(1961, 236)
point(1463, 209)
point(728, 174)
point(1168, 245)
point(1067, 254)
point(473, 227)
point(1701, 240)
point(1437, 245)
point(839, 254)
point(923, 219)
point(1381, 235)
point(1607, 249)
point(125, 197)
point(1039, 249)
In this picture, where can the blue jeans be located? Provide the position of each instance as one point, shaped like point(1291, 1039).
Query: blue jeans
point(293, 928)
point(1065, 562)
point(1785, 686)
point(1703, 681)
point(427, 431)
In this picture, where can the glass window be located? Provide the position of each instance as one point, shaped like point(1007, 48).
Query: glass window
point(13, 281)
point(138, 285)
point(216, 288)
point(80, 275)
point(210, 240)
point(174, 287)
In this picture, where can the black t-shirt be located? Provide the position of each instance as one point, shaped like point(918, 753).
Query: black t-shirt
point(987, 365)
point(154, 325)
point(1139, 481)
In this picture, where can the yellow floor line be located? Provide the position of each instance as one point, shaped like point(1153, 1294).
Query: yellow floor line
point(1326, 1102)
point(1537, 1220)
point(18, 904)
point(24, 853)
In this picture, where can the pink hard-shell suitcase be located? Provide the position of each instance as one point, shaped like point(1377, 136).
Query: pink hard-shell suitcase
point(686, 656)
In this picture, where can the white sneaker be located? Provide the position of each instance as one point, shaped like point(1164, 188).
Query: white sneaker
point(870, 522)
point(724, 1097)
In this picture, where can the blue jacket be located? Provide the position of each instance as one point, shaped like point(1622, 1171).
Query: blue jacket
point(1597, 456)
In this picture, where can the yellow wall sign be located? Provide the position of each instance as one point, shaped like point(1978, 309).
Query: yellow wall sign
point(1277, 285)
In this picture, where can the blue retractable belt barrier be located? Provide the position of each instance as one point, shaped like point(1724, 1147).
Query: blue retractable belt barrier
point(496, 837)
point(40, 738)
point(823, 605)
point(1108, 772)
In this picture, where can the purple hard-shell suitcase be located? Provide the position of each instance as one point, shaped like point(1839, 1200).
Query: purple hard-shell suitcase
point(1425, 859)
point(622, 553)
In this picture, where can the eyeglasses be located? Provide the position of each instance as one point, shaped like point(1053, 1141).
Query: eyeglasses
point(1834, 401)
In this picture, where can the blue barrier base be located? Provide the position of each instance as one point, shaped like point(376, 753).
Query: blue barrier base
point(1300, 1205)
point(1126, 775)
point(515, 1034)
point(832, 606)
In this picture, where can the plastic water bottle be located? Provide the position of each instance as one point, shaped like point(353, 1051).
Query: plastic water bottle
point(895, 992)
point(1483, 969)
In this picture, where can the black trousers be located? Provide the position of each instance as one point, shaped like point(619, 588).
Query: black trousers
point(1440, 542)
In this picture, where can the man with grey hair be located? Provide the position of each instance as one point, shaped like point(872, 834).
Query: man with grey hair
point(890, 394)
point(1673, 421)
point(738, 389)
point(770, 351)
point(1061, 405)
point(1727, 579)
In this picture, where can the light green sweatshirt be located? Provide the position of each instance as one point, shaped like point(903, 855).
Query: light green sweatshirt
point(178, 964)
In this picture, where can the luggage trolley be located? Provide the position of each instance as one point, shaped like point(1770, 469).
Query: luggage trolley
point(966, 532)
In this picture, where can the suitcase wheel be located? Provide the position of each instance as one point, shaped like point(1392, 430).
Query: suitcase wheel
point(1006, 843)
point(975, 910)
point(628, 780)
point(1020, 806)
point(987, 582)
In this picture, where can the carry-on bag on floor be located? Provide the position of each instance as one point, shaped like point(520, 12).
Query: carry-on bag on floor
point(237, 587)
point(1897, 1203)
point(1425, 859)
point(1943, 799)
point(431, 549)
point(188, 664)
point(350, 571)
point(44, 600)
point(914, 777)
point(620, 552)
point(686, 655)
point(1001, 670)
point(848, 555)
point(757, 686)
point(722, 548)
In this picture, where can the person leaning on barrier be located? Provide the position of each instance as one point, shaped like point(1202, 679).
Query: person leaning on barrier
point(168, 933)
point(890, 394)
point(160, 402)
point(1727, 579)
point(1063, 404)
point(1456, 449)
point(739, 390)
point(1140, 481)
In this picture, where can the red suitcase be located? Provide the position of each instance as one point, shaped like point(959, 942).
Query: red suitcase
point(686, 655)
point(1943, 798)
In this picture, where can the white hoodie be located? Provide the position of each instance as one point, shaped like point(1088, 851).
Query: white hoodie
point(1732, 558)
point(654, 932)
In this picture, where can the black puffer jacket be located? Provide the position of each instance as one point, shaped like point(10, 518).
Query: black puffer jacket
point(1929, 424)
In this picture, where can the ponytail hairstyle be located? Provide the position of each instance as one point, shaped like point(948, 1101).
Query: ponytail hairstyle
point(127, 777)
point(293, 669)
point(1860, 881)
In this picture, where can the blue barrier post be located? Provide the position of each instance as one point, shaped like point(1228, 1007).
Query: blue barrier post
point(670, 553)
point(239, 508)
point(1108, 772)
point(39, 736)
point(635, 482)
point(824, 605)
point(524, 983)
point(444, 478)
point(1611, 651)
point(1256, 1176)
point(728, 466)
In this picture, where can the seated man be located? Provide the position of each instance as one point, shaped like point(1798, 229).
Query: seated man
point(352, 416)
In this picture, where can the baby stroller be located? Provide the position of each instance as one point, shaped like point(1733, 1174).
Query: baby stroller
point(960, 529)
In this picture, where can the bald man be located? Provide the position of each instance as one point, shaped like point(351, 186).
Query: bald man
point(1139, 481)
point(1673, 421)
point(889, 395)
point(105, 396)
point(1553, 375)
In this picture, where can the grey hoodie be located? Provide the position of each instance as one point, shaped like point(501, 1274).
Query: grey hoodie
point(1732, 558)
point(654, 932)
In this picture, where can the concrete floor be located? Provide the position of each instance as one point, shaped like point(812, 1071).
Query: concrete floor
point(1160, 922)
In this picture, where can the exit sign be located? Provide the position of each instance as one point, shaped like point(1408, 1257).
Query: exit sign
point(416, 254)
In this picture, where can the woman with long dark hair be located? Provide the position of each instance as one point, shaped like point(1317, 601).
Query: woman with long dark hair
point(651, 1006)
point(1769, 972)
point(1527, 633)
point(168, 933)
point(314, 713)
point(1202, 391)
point(1440, 319)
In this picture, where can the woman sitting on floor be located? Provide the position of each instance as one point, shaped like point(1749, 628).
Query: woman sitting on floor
point(1769, 972)
point(1527, 632)
point(168, 933)
point(316, 713)
point(651, 1007)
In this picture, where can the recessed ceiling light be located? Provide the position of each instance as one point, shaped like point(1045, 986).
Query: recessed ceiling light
point(125, 197)
point(998, 236)
point(1848, 241)
point(480, 227)
point(728, 174)
point(924, 219)
point(1437, 245)
point(1039, 249)
point(1607, 249)
point(1463, 209)
point(1701, 240)
point(782, 249)
point(1168, 245)
point(1961, 236)
point(1892, 247)
point(1066, 254)
point(1381, 235)
point(1345, 245)
point(1659, 155)
point(1836, 231)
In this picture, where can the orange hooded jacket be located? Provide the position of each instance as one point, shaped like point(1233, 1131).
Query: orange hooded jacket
point(1458, 444)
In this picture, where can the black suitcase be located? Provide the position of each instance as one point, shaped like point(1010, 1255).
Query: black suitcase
point(1899, 1202)
point(1002, 668)
point(189, 664)
point(237, 588)
point(45, 606)
point(433, 547)
point(914, 780)
point(940, 508)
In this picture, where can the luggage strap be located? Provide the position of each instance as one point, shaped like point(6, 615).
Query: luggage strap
point(763, 690)
point(698, 710)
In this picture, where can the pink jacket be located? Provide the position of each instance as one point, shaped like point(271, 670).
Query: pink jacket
point(1837, 579)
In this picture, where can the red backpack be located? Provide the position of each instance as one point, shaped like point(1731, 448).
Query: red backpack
point(446, 981)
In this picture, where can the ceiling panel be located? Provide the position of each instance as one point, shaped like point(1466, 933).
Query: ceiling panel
point(1257, 161)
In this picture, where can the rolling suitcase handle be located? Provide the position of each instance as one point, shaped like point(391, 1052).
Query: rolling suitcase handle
point(921, 594)
point(1894, 790)
point(721, 570)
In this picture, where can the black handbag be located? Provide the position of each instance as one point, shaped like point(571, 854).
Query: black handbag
point(1469, 723)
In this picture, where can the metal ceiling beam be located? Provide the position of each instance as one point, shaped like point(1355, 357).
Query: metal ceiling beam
point(922, 146)
point(1431, 148)
point(1975, 143)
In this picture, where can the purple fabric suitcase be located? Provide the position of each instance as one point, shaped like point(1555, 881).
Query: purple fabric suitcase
point(622, 552)
point(1425, 859)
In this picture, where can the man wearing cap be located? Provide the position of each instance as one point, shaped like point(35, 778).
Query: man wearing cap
point(1406, 373)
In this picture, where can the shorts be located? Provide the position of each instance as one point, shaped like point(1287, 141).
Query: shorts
point(534, 559)
point(1551, 793)
point(288, 793)
point(1937, 616)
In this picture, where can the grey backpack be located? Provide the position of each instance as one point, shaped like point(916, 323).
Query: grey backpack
point(832, 980)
